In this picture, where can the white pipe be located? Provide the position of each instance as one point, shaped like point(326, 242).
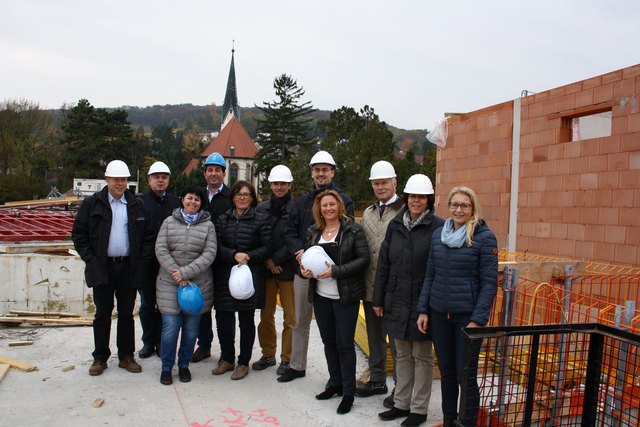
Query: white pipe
point(515, 176)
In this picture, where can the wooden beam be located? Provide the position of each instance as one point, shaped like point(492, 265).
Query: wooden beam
point(43, 313)
point(83, 321)
point(4, 368)
point(18, 364)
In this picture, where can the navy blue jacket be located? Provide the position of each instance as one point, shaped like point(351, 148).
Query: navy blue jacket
point(462, 280)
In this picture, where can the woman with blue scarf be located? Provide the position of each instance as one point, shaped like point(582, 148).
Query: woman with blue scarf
point(185, 248)
point(459, 287)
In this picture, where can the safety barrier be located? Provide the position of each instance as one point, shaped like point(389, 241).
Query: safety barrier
point(556, 375)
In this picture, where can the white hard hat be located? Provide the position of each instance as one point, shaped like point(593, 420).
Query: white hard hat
point(418, 184)
point(314, 259)
point(280, 173)
point(117, 169)
point(159, 167)
point(322, 157)
point(382, 170)
point(241, 282)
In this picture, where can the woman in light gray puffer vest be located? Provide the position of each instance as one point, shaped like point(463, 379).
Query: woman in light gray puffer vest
point(186, 247)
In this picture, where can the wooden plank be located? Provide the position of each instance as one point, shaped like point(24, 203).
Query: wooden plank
point(4, 368)
point(42, 320)
point(44, 313)
point(18, 364)
point(20, 343)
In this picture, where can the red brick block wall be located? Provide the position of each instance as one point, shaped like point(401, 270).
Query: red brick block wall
point(575, 199)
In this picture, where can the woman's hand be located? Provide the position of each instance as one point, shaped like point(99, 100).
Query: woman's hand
point(175, 274)
point(327, 273)
point(183, 283)
point(423, 322)
point(379, 311)
point(473, 325)
point(307, 274)
point(241, 258)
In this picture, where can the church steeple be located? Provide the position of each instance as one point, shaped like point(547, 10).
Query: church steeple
point(231, 95)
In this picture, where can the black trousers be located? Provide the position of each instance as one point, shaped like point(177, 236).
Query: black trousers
point(226, 326)
point(118, 285)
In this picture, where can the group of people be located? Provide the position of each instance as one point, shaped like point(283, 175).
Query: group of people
point(421, 279)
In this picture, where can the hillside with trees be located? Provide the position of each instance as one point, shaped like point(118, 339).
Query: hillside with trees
point(44, 148)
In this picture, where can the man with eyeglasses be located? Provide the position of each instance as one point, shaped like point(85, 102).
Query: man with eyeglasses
point(323, 169)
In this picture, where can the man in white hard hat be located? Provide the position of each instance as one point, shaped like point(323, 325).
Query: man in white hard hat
point(158, 205)
point(115, 240)
point(323, 169)
point(281, 267)
point(375, 220)
point(215, 171)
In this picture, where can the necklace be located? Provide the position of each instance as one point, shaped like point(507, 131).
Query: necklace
point(330, 232)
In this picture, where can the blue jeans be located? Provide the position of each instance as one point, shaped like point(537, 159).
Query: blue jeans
point(171, 325)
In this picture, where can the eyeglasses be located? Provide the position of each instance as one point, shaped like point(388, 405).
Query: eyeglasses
point(321, 170)
point(243, 195)
point(464, 206)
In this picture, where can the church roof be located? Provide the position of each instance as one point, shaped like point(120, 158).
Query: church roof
point(232, 135)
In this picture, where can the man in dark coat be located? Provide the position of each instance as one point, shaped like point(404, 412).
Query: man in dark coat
point(219, 194)
point(158, 205)
point(115, 240)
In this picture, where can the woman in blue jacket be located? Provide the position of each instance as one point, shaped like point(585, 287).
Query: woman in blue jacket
point(459, 287)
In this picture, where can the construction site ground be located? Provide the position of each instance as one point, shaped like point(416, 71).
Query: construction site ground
point(58, 395)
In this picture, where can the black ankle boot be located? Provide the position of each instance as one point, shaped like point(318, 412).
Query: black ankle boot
point(329, 392)
point(345, 405)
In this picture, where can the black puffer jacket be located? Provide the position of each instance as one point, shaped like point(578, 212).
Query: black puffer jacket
point(250, 233)
point(462, 280)
point(352, 262)
point(281, 255)
point(401, 267)
point(91, 230)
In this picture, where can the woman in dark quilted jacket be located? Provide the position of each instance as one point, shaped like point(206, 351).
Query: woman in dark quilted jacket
point(459, 287)
point(244, 237)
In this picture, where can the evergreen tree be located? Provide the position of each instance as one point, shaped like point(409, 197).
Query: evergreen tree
point(92, 138)
point(283, 133)
point(356, 141)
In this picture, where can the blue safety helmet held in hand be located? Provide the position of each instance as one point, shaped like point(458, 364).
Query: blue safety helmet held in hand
point(215, 159)
point(190, 299)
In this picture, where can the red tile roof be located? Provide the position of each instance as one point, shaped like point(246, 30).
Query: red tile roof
point(235, 135)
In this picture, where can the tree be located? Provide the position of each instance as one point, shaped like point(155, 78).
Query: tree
point(27, 134)
point(356, 141)
point(93, 137)
point(283, 133)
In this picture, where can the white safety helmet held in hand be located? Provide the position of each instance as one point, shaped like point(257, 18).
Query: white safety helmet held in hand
point(159, 167)
point(241, 282)
point(382, 170)
point(418, 184)
point(117, 169)
point(322, 157)
point(280, 173)
point(315, 259)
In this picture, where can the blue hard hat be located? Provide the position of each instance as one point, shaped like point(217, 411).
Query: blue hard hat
point(190, 299)
point(216, 159)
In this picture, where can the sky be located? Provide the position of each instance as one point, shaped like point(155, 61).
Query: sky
point(412, 61)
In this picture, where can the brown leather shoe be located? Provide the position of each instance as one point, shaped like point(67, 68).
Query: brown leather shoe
point(223, 366)
point(130, 364)
point(240, 372)
point(97, 367)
